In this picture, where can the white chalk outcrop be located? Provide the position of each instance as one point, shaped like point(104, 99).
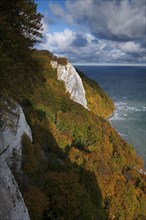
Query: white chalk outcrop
point(73, 82)
point(12, 206)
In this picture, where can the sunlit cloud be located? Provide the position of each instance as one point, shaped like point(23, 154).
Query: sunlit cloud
point(96, 31)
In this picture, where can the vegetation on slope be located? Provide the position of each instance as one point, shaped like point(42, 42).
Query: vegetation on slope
point(97, 100)
point(77, 167)
point(78, 164)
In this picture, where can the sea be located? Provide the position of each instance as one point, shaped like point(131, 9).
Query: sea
point(126, 85)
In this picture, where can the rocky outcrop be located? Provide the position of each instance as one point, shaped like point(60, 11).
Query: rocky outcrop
point(12, 206)
point(73, 82)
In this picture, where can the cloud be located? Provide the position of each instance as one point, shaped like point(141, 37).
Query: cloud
point(44, 26)
point(46, 22)
point(56, 9)
point(59, 40)
point(87, 48)
point(118, 20)
point(98, 30)
point(79, 41)
point(131, 47)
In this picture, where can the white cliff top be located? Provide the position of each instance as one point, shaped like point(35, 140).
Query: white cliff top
point(73, 82)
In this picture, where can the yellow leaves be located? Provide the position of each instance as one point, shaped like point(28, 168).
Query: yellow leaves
point(97, 101)
point(61, 60)
point(77, 145)
point(76, 156)
point(62, 140)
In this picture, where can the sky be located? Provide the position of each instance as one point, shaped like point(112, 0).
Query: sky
point(95, 31)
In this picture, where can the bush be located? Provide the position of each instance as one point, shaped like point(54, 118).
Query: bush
point(41, 114)
point(61, 60)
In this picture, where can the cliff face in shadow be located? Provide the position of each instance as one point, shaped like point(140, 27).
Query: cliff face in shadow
point(12, 205)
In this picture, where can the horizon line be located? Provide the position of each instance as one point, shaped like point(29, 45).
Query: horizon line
point(109, 64)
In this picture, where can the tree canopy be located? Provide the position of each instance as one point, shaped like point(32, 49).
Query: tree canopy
point(20, 25)
point(20, 29)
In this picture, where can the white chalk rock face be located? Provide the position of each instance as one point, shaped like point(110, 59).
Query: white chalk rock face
point(10, 137)
point(12, 206)
point(73, 82)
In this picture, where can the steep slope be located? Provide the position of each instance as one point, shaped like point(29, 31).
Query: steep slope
point(98, 101)
point(83, 159)
point(77, 166)
point(11, 200)
point(72, 80)
point(84, 90)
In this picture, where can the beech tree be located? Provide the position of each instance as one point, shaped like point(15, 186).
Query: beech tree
point(20, 28)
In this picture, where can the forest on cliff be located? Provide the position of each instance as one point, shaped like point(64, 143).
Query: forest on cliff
point(78, 166)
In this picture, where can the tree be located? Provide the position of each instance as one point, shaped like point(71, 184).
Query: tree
point(36, 201)
point(20, 25)
point(20, 28)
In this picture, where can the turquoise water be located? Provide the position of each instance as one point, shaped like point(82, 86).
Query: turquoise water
point(127, 87)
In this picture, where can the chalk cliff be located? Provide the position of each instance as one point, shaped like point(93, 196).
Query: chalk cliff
point(12, 206)
point(73, 82)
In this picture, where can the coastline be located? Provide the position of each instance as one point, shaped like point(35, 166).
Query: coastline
point(110, 117)
point(142, 170)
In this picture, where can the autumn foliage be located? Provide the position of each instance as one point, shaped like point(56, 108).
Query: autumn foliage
point(78, 163)
point(77, 166)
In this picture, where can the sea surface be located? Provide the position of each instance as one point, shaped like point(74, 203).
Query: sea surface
point(126, 85)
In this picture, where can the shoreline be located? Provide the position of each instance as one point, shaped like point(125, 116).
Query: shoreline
point(111, 115)
point(142, 170)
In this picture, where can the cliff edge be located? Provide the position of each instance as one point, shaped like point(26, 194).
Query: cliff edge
point(72, 80)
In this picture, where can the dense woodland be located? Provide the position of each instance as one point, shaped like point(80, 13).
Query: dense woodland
point(77, 166)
